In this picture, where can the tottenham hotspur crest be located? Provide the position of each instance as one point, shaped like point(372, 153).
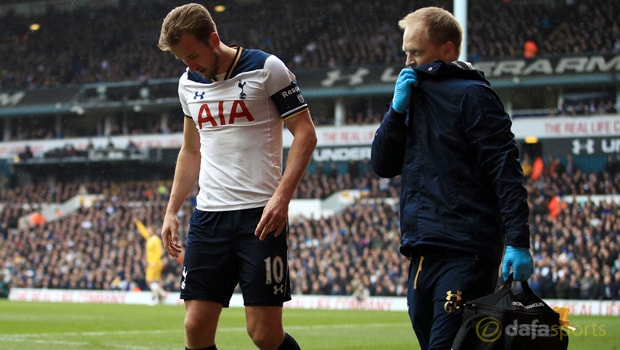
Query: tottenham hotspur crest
point(242, 94)
point(184, 274)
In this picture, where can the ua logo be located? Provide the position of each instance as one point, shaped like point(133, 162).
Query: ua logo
point(184, 274)
point(355, 78)
point(453, 301)
point(587, 146)
point(199, 94)
point(278, 289)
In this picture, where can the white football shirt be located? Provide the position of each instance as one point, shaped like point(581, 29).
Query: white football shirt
point(240, 121)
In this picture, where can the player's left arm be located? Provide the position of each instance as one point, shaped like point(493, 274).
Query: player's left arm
point(275, 214)
point(286, 95)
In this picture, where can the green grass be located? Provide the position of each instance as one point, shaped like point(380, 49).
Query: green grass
point(29, 325)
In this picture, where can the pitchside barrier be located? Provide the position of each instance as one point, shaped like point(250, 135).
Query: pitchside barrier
point(576, 307)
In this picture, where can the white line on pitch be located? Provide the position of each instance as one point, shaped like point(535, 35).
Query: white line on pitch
point(34, 336)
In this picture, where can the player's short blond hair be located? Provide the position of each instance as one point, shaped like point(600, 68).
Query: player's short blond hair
point(190, 18)
point(441, 26)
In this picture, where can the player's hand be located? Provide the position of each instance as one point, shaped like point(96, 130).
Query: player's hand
point(274, 218)
point(170, 235)
point(521, 262)
point(407, 79)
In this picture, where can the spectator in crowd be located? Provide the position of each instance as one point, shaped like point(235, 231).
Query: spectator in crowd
point(530, 48)
point(5, 281)
point(26, 154)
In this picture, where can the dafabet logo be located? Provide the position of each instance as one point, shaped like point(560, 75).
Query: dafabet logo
point(490, 329)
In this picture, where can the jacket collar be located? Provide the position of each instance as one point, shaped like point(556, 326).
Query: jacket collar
point(455, 70)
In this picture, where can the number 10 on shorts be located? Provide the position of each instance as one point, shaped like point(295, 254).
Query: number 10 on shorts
point(274, 270)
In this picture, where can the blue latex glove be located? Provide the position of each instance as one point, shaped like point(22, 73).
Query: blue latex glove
point(521, 262)
point(407, 79)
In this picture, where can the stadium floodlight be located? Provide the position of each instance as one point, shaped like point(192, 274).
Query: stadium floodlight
point(460, 12)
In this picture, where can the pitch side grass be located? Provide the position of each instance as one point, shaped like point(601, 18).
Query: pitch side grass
point(29, 325)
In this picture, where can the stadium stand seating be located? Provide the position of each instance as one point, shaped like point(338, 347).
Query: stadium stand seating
point(575, 245)
point(91, 50)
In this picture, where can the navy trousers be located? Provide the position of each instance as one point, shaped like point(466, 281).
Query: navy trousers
point(439, 284)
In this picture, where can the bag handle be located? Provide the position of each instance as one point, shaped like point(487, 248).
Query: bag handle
point(506, 288)
point(501, 292)
point(526, 288)
point(527, 292)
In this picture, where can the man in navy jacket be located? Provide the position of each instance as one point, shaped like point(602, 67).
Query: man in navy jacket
point(463, 202)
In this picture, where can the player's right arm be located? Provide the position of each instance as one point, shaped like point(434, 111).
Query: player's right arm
point(185, 176)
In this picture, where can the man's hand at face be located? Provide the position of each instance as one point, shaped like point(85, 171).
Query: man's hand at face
point(407, 80)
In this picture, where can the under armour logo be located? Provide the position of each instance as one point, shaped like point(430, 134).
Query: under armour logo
point(242, 94)
point(453, 301)
point(11, 99)
point(588, 146)
point(184, 274)
point(201, 95)
point(353, 79)
point(278, 289)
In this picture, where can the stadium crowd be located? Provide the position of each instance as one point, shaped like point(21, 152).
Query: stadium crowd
point(305, 37)
point(575, 243)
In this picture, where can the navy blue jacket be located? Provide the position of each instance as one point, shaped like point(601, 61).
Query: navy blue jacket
point(462, 183)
